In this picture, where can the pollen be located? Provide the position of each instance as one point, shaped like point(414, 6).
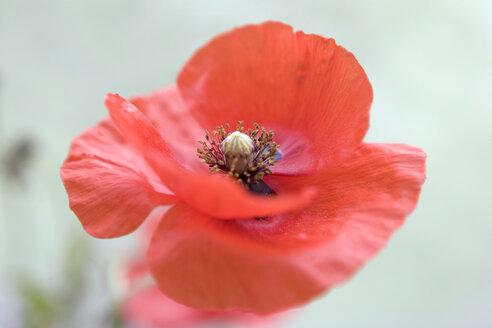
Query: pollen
point(246, 155)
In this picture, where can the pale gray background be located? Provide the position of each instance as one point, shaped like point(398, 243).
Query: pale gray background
point(430, 64)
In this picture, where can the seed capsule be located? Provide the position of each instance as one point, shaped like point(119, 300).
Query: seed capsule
point(237, 149)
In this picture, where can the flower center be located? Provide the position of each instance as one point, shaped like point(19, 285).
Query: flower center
point(245, 155)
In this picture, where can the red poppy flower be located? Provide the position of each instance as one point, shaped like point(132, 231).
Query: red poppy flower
point(313, 202)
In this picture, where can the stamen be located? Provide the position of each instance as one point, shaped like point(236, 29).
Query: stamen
point(243, 154)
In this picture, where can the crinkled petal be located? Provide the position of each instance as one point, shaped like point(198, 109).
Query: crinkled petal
point(213, 194)
point(311, 92)
point(110, 187)
point(147, 306)
point(284, 261)
point(151, 308)
point(379, 179)
point(170, 116)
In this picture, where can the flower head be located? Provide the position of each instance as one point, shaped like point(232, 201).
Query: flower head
point(270, 215)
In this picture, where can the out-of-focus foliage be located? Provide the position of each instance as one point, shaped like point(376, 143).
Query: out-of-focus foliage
point(46, 308)
point(40, 307)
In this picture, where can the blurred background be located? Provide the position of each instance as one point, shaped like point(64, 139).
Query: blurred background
point(430, 64)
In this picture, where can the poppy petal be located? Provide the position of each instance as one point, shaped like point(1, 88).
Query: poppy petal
point(284, 261)
point(206, 263)
point(311, 92)
point(216, 195)
point(381, 180)
point(169, 115)
point(150, 308)
point(110, 187)
point(145, 305)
